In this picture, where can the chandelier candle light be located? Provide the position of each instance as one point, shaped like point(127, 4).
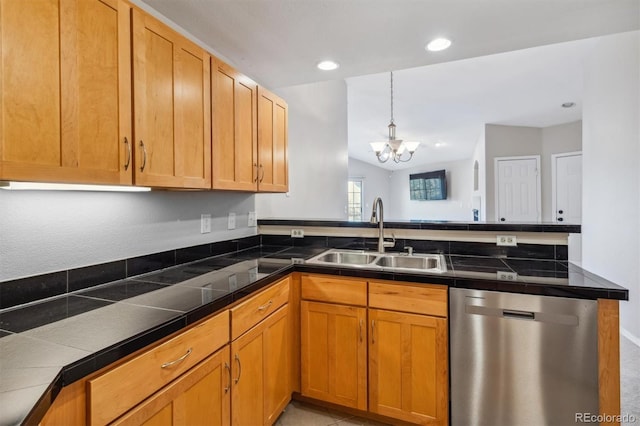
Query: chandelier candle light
point(393, 148)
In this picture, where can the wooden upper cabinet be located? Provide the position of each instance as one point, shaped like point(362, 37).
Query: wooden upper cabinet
point(273, 168)
point(234, 144)
point(171, 107)
point(65, 91)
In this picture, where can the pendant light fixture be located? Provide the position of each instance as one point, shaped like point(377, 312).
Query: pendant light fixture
point(394, 148)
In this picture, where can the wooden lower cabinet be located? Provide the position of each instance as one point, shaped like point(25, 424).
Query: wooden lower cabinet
point(334, 353)
point(261, 386)
point(200, 396)
point(408, 374)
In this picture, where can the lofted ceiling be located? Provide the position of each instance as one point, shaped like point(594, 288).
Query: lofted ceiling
point(445, 106)
point(511, 62)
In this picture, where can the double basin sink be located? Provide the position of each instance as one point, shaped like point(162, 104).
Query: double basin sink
point(431, 263)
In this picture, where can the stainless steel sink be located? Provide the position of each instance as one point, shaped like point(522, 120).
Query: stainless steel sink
point(347, 257)
point(430, 263)
point(425, 262)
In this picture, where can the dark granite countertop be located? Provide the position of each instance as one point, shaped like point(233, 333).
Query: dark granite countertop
point(444, 225)
point(47, 345)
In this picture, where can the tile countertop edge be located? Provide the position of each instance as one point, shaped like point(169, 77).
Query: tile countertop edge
point(90, 364)
point(433, 225)
point(102, 358)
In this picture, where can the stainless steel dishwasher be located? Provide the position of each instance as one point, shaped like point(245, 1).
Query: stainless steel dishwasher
point(521, 360)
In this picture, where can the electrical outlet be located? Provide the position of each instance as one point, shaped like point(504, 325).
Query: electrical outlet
point(506, 240)
point(233, 282)
point(232, 221)
point(253, 220)
point(297, 233)
point(205, 223)
point(506, 276)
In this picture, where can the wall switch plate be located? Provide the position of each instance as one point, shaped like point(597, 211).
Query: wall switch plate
point(506, 276)
point(232, 221)
point(205, 223)
point(297, 233)
point(253, 220)
point(506, 240)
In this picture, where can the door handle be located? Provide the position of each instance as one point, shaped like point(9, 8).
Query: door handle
point(560, 211)
point(502, 219)
point(237, 379)
point(560, 219)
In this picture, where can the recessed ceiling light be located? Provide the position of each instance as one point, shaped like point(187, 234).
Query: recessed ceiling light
point(328, 65)
point(568, 105)
point(438, 44)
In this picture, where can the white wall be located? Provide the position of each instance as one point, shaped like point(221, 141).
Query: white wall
point(376, 182)
point(318, 159)
point(611, 182)
point(46, 231)
point(506, 141)
point(457, 206)
point(556, 140)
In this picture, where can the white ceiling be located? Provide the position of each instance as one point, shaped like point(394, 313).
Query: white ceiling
point(279, 42)
point(445, 106)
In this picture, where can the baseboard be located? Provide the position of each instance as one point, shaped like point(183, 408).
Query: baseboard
point(634, 339)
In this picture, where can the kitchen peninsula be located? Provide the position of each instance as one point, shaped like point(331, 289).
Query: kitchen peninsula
point(49, 354)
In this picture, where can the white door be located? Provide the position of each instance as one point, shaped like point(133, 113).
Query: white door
point(518, 189)
point(567, 177)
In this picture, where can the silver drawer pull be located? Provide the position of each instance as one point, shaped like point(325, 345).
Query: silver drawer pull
point(265, 306)
point(126, 165)
point(237, 379)
point(228, 368)
point(182, 358)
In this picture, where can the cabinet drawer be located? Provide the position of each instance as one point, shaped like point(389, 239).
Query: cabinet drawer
point(426, 299)
point(118, 390)
point(330, 289)
point(249, 313)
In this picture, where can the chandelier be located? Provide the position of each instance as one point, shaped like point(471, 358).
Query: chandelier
point(394, 148)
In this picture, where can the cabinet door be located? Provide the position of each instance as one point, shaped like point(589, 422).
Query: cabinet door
point(408, 374)
point(277, 364)
point(200, 396)
point(334, 353)
point(234, 145)
point(65, 91)
point(273, 168)
point(260, 366)
point(172, 107)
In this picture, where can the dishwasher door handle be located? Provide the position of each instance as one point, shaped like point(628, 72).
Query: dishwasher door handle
point(508, 313)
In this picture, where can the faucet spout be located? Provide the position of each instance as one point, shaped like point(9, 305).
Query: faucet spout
point(377, 217)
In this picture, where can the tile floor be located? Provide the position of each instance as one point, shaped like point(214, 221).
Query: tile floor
point(630, 380)
point(302, 414)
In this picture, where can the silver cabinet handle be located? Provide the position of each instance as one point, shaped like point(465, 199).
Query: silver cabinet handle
point(373, 336)
point(261, 168)
point(144, 156)
point(237, 379)
point(228, 368)
point(257, 171)
point(265, 306)
point(126, 165)
point(361, 336)
point(182, 358)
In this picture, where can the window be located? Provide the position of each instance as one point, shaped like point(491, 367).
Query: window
point(355, 200)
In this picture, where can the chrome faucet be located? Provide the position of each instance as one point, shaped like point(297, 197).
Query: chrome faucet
point(377, 216)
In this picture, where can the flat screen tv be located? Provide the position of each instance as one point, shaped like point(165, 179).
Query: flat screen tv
point(428, 186)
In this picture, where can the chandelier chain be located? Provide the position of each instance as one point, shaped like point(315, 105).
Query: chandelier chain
point(391, 97)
